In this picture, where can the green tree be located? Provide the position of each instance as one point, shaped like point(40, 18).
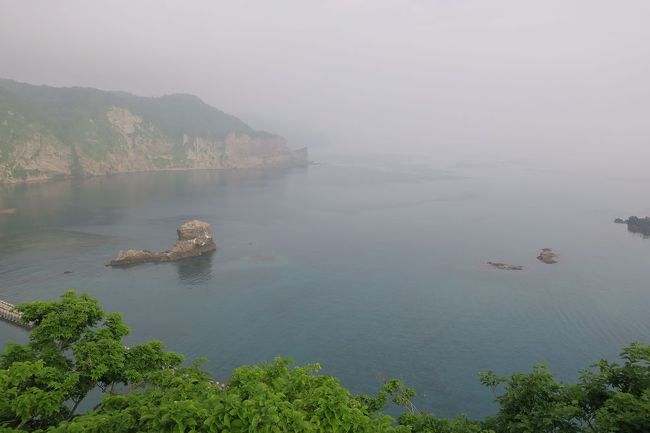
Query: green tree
point(74, 347)
point(427, 423)
point(276, 397)
point(616, 398)
point(609, 397)
point(533, 403)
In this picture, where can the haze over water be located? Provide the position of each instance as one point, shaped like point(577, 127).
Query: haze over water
point(374, 269)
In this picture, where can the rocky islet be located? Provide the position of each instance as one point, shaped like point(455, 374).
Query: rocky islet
point(194, 239)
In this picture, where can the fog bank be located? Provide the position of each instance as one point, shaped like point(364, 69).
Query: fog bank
point(557, 82)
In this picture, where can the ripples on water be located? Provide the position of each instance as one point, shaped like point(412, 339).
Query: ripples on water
point(373, 270)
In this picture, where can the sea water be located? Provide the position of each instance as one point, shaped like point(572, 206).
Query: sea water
point(373, 270)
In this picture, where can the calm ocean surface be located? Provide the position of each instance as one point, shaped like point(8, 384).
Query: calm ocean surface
point(374, 270)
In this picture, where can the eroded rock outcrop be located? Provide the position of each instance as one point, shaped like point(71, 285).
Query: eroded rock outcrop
point(194, 239)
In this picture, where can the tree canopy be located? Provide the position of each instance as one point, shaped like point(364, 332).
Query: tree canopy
point(76, 347)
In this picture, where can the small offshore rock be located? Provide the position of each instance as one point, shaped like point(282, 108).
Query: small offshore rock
point(505, 266)
point(194, 239)
point(547, 256)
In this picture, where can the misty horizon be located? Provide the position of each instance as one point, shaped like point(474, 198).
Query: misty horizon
point(558, 82)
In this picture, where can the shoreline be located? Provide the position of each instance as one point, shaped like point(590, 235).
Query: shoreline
point(6, 183)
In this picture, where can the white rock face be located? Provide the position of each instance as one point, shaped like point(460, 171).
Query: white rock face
point(138, 146)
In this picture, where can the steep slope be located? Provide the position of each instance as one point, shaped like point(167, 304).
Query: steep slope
point(48, 132)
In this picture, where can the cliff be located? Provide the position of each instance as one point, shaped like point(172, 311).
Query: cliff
point(48, 132)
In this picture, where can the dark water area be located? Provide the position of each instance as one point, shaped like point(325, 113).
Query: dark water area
point(372, 270)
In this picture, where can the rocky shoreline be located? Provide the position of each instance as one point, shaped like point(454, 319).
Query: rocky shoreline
point(297, 164)
point(636, 225)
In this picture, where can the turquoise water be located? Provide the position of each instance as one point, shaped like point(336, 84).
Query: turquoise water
point(375, 270)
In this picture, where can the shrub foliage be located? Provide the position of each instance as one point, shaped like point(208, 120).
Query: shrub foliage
point(76, 347)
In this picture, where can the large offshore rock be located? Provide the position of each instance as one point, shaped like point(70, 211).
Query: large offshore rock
point(194, 239)
point(194, 229)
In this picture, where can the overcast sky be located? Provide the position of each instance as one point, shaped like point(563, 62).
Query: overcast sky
point(470, 78)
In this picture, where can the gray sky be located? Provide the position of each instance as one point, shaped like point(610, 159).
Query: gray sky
point(556, 79)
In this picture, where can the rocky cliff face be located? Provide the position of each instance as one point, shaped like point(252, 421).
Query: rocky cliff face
point(120, 133)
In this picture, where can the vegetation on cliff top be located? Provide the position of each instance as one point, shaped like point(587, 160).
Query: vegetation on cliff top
point(77, 347)
point(68, 111)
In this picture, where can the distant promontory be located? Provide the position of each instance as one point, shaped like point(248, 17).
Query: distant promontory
point(49, 133)
point(636, 225)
